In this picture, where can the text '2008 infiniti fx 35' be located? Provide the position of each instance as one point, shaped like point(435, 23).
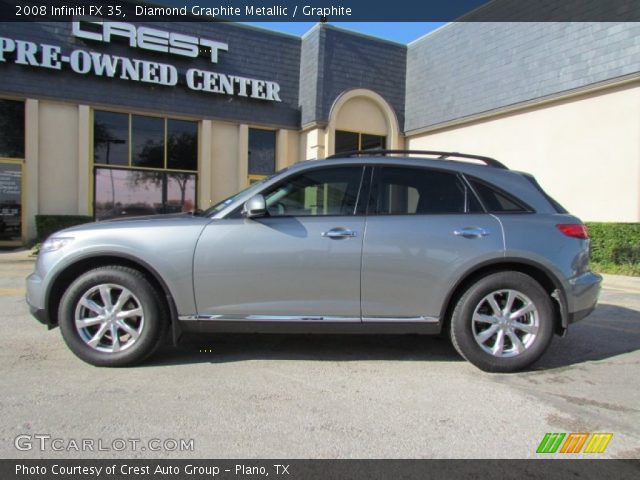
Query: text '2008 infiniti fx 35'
point(367, 242)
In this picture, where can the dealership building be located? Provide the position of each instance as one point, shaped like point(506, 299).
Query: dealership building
point(110, 119)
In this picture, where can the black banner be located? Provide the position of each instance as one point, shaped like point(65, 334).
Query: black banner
point(319, 469)
point(322, 10)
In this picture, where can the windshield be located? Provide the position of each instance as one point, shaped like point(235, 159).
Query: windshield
point(228, 201)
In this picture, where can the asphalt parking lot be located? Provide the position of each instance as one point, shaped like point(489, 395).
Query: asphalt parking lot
point(316, 397)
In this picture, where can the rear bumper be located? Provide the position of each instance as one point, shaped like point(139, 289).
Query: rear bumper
point(583, 295)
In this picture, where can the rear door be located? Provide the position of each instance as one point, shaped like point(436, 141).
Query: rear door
point(424, 229)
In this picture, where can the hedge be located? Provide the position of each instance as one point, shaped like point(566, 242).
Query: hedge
point(48, 224)
point(616, 243)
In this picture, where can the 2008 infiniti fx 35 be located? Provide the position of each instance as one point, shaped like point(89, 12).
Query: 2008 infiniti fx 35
point(363, 243)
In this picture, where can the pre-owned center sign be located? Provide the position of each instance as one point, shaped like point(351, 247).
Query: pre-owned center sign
point(132, 69)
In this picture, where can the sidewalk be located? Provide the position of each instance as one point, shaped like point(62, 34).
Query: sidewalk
point(17, 255)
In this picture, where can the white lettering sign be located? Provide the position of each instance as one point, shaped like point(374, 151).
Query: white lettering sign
point(99, 64)
point(148, 38)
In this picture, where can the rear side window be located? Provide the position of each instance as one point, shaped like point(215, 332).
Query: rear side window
point(556, 206)
point(496, 201)
point(416, 191)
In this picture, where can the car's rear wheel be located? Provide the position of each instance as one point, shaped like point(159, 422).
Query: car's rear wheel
point(503, 322)
point(111, 316)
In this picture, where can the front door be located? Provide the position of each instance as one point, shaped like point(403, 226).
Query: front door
point(300, 262)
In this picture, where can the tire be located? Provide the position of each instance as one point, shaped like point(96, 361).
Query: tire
point(495, 341)
point(88, 327)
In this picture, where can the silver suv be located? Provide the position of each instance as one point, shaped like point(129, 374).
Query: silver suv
point(365, 243)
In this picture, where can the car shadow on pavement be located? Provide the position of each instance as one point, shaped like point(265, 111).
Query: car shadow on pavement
point(611, 330)
point(222, 348)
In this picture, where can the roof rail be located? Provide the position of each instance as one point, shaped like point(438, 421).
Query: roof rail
point(488, 161)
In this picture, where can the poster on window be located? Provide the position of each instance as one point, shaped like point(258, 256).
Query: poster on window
point(10, 202)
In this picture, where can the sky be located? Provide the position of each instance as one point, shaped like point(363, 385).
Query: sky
point(401, 32)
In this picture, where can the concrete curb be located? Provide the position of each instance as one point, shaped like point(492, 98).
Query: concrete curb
point(18, 255)
point(621, 282)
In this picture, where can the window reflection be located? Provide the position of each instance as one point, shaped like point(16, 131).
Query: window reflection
point(124, 193)
point(182, 145)
point(147, 137)
point(262, 151)
point(111, 138)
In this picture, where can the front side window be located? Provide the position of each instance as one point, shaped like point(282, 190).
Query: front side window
point(420, 191)
point(143, 165)
point(331, 191)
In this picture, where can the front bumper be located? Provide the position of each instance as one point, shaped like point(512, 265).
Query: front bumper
point(41, 315)
point(35, 300)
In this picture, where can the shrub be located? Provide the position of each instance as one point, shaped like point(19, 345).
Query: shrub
point(615, 247)
point(616, 243)
point(48, 224)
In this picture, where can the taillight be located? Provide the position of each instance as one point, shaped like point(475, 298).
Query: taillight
point(574, 230)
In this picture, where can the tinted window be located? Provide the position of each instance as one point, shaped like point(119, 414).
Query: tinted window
point(111, 138)
point(408, 191)
point(496, 201)
point(182, 145)
point(332, 191)
point(11, 129)
point(147, 136)
point(372, 142)
point(262, 152)
point(347, 141)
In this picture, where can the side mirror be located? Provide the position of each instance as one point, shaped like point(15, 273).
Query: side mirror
point(255, 207)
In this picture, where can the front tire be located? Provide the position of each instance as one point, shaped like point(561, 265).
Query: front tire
point(503, 322)
point(111, 317)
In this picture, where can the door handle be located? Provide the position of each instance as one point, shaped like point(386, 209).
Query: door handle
point(338, 233)
point(471, 232)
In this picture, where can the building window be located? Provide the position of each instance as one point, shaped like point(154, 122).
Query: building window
point(11, 129)
point(350, 141)
point(143, 165)
point(12, 140)
point(262, 153)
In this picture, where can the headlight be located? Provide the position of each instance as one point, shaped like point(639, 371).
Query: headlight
point(52, 244)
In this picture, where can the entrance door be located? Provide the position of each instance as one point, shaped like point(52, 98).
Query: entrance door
point(10, 203)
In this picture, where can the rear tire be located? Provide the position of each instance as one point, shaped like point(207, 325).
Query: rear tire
point(503, 322)
point(111, 317)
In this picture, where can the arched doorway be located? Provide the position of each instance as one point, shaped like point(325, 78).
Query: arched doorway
point(361, 119)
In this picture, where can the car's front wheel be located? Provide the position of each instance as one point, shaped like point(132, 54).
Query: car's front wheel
point(503, 322)
point(111, 317)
